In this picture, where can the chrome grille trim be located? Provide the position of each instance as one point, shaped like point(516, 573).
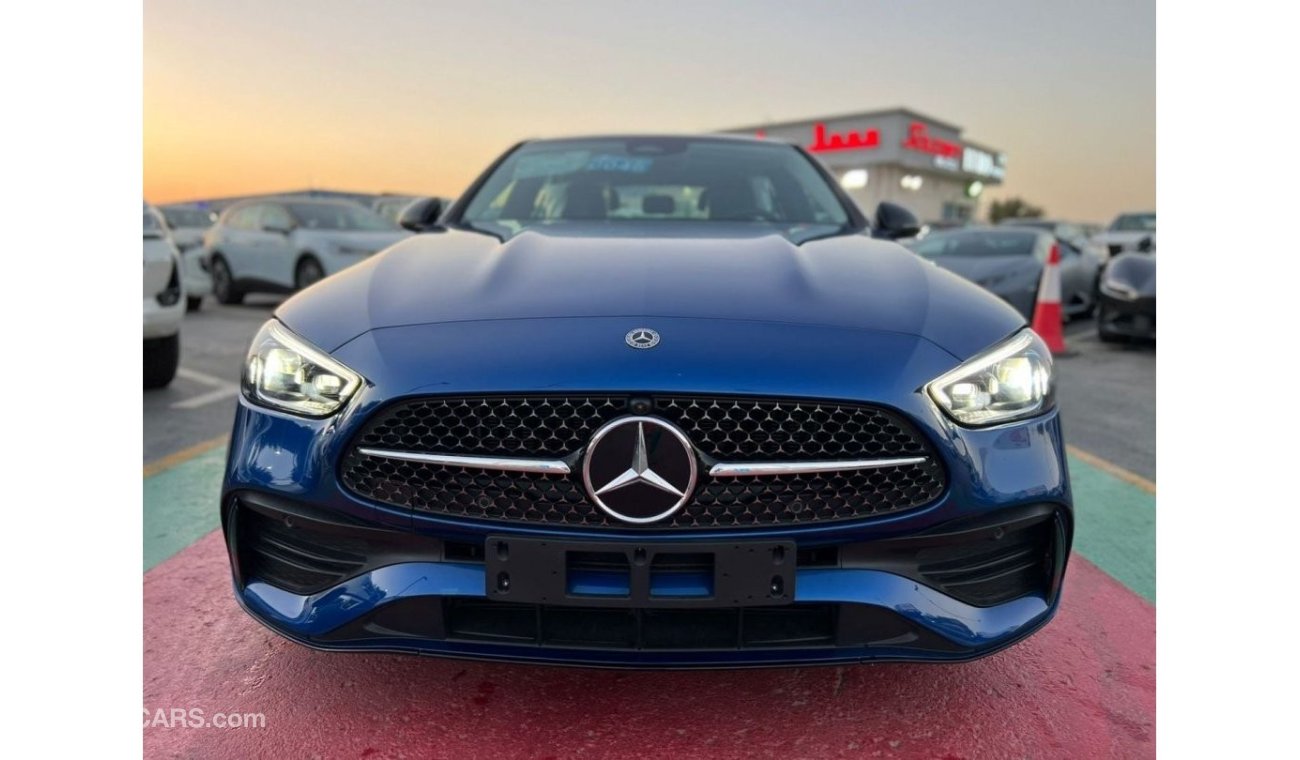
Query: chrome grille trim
point(718, 470)
point(760, 469)
point(503, 464)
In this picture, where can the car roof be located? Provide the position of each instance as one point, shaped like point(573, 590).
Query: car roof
point(694, 137)
point(297, 201)
point(996, 229)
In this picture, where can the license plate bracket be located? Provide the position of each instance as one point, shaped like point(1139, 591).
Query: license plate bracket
point(639, 573)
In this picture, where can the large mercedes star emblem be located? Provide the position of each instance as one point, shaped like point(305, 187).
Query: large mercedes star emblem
point(639, 469)
point(642, 337)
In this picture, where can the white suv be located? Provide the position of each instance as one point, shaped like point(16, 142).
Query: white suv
point(287, 244)
point(164, 302)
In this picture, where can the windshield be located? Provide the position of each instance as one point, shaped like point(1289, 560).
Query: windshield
point(976, 243)
point(338, 216)
point(153, 225)
point(656, 180)
point(187, 217)
point(1134, 223)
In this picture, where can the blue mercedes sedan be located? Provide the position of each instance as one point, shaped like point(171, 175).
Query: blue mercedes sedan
point(649, 401)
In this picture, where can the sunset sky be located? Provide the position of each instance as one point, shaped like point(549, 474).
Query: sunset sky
point(418, 96)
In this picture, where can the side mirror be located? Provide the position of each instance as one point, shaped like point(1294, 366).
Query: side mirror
point(422, 215)
point(894, 222)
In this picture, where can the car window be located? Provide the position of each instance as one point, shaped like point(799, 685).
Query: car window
point(338, 216)
point(978, 243)
point(153, 224)
point(654, 179)
point(1134, 223)
point(1048, 226)
point(187, 217)
point(274, 217)
point(245, 217)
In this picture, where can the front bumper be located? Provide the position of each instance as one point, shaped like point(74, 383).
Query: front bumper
point(1130, 319)
point(856, 596)
point(198, 281)
point(162, 321)
point(431, 599)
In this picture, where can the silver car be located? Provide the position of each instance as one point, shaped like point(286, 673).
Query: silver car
point(1008, 262)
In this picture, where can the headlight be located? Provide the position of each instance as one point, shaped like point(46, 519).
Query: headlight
point(1009, 382)
point(284, 372)
point(1120, 290)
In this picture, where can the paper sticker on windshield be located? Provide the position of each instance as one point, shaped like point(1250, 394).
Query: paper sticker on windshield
point(549, 164)
point(610, 163)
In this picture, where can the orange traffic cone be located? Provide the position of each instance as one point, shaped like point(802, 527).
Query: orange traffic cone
point(1047, 311)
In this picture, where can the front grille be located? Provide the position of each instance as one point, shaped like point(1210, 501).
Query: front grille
point(726, 429)
point(493, 426)
point(803, 626)
point(616, 628)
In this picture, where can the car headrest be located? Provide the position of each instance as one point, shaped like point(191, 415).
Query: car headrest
point(584, 200)
point(732, 198)
point(658, 204)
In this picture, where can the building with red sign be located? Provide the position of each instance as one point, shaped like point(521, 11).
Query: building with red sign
point(898, 155)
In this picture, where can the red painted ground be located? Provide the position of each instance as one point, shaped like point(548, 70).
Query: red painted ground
point(1083, 687)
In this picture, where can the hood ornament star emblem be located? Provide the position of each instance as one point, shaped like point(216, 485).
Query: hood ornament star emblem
point(642, 337)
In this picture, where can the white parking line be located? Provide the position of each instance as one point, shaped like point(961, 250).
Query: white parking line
point(200, 377)
point(210, 397)
point(221, 389)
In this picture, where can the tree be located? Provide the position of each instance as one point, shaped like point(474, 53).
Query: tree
point(1012, 208)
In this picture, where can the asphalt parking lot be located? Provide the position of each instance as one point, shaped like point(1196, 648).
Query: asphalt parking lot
point(1084, 687)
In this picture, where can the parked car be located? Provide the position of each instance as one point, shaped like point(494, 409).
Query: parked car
point(391, 206)
point(188, 224)
point(1008, 262)
point(717, 425)
point(164, 302)
point(279, 246)
point(1126, 232)
point(1071, 234)
point(1128, 295)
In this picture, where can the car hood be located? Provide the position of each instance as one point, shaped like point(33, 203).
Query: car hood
point(988, 270)
point(1137, 270)
point(647, 272)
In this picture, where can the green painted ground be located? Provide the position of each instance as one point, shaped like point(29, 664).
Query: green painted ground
point(1115, 527)
point(180, 505)
point(1115, 521)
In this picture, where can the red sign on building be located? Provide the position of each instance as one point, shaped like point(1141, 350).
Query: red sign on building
point(919, 139)
point(825, 142)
